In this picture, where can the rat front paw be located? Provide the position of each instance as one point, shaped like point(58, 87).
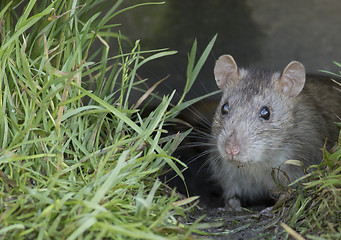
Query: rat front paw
point(233, 204)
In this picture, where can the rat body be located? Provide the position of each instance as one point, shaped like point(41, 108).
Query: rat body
point(265, 119)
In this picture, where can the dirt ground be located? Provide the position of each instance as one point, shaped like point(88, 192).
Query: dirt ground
point(250, 223)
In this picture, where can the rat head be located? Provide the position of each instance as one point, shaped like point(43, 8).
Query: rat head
point(253, 120)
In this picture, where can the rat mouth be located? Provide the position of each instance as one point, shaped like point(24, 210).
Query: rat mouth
point(239, 164)
point(236, 161)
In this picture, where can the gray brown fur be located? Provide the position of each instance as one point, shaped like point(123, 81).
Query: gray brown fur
point(297, 129)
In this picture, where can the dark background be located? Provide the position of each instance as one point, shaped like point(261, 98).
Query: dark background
point(264, 33)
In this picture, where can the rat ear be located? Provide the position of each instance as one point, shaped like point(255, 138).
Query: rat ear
point(292, 79)
point(225, 71)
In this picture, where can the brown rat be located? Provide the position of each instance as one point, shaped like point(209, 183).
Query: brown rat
point(265, 119)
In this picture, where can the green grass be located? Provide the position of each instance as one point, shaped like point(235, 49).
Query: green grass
point(79, 162)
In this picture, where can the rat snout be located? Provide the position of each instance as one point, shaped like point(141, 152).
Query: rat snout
point(232, 146)
point(233, 149)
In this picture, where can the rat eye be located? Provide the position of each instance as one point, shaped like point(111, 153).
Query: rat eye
point(225, 109)
point(264, 113)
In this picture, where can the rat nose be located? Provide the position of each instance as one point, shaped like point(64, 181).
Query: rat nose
point(232, 146)
point(232, 149)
